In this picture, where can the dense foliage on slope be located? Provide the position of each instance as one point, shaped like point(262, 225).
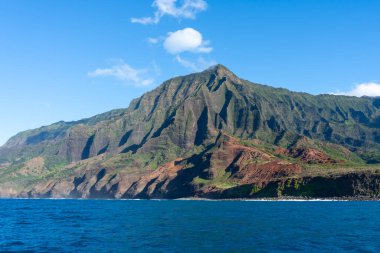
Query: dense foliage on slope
point(196, 135)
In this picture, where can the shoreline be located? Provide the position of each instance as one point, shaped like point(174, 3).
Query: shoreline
point(281, 199)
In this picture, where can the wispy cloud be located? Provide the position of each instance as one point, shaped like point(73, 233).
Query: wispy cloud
point(199, 64)
point(187, 9)
point(187, 39)
point(125, 73)
point(370, 89)
point(153, 40)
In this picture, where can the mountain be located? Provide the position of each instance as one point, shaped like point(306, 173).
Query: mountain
point(208, 134)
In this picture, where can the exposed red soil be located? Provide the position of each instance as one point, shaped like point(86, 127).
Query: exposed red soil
point(307, 155)
point(261, 174)
point(245, 164)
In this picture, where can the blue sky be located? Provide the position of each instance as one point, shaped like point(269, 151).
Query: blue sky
point(66, 60)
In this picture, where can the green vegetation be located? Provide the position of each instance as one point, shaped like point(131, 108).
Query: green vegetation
point(183, 118)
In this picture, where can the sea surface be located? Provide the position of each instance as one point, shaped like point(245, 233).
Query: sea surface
point(188, 226)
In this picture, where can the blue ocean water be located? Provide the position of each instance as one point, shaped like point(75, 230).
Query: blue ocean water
point(188, 226)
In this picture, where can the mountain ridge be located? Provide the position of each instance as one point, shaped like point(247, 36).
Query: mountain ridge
point(179, 122)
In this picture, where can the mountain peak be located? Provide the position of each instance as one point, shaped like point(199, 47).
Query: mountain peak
point(219, 67)
point(221, 70)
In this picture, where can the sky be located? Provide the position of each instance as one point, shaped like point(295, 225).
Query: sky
point(72, 59)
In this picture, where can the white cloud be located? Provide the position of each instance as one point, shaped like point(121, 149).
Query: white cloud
point(146, 20)
point(156, 68)
point(185, 63)
point(197, 65)
point(153, 40)
point(188, 9)
point(371, 89)
point(124, 72)
point(184, 40)
point(188, 40)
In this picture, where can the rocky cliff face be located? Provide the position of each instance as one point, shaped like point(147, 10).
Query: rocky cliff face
point(208, 134)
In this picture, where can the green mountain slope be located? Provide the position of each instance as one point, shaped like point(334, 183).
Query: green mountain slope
point(188, 134)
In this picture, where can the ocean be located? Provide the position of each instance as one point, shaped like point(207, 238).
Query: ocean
point(39, 225)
